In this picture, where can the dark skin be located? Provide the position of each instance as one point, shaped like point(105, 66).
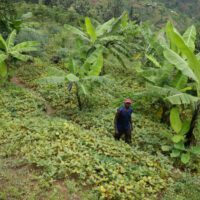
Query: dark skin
point(127, 106)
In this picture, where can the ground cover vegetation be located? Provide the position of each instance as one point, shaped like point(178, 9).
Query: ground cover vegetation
point(65, 67)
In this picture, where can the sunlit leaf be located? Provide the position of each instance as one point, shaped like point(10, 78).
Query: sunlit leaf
point(175, 120)
point(185, 158)
point(90, 29)
point(72, 78)
point(3, 69)
point(189, 37)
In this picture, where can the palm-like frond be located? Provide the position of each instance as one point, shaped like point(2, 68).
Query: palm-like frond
point(111, 38)
point(122, 50)
point(20, 56)
point(11, 39)
point(174, 96)
point(3, 57)
point(118, 55)
point(182, 99)
point(103, 29)
point(76, 31)
point(3, 44)
point(190, 37)
point(26, 47)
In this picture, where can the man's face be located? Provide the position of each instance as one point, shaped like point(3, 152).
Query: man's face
point(127, 105)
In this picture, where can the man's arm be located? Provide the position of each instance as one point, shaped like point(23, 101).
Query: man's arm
point(131, 124)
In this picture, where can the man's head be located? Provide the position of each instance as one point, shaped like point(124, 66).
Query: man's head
point(127, 103)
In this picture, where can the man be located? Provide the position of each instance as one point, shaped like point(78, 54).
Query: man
point(123, 121)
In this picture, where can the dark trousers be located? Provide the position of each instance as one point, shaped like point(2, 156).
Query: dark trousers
point(127, 134)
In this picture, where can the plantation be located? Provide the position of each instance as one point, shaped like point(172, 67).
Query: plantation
point(65, 69)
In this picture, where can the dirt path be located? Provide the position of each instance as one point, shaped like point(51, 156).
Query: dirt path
point(18, 82)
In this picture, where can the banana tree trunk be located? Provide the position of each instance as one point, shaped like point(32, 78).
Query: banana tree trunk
point(165, 114)
point(190, 138)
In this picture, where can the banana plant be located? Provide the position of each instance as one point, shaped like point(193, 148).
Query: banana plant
point(108, 36)
point(181, 54)
point(10, 51)
point(89, 70)
point(180, 128)
point(80, 73)
point(177, 79)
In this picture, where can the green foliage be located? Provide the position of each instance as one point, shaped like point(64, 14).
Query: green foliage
point(40, 120)
point(80, 74)
point(9, 50)
point(7, 17)
point(175, 120)
point(186, 187)
point(61, 149)
point(107, 36)
point(181, 129)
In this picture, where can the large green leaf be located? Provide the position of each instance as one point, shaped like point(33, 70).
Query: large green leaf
point(71, 65)
point(83, 89)
point(124, 20)
point(3, 69)
point(90, 29)
point(25, 47)
point(97, 66)
point(111, 38)
point(72, 78)
point(178, 41)
point(3, 44)
point(180, 64)
point(169, 33)
point(118, 22)
point(180, 146)
point(195, 150)
point(119, 56)
point(162, 39)
point(185, 127)
point(182, 98)
point(20, 56)
point(178, 138)
point(11, 39)
point(3, 57)
point(175, 153)
point(175, 120)
point(153, 60)
point(185, 158)
point(180, 81)
point(76, 31)
point(104, 28)
point(189, 37)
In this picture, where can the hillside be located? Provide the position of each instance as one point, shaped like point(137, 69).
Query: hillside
point(66, 68)
point(188, 7)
